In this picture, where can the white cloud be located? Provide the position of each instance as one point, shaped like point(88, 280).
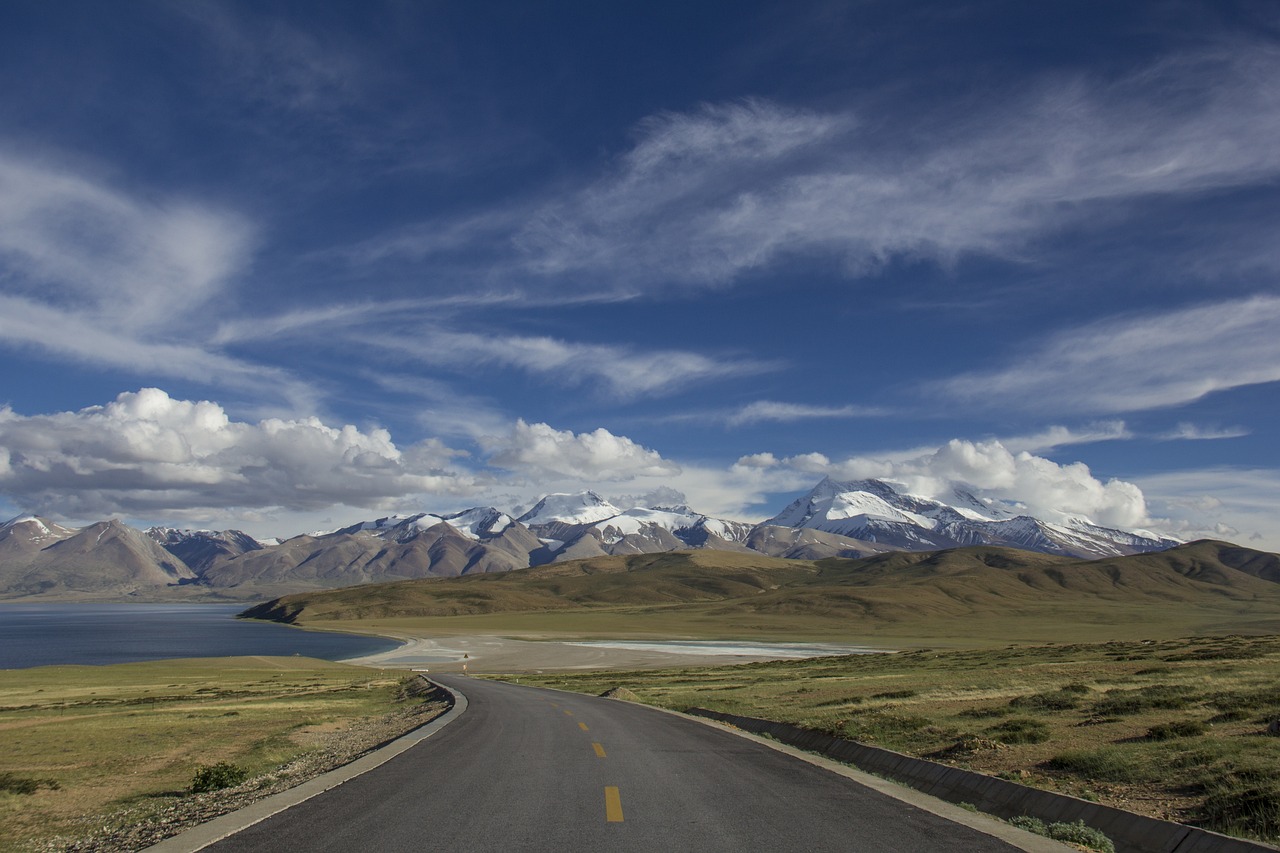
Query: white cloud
point(1213, 502)
point(622, 370)
point(97, 276)
point(147, 453)
point(771, 411)
point(706, 195)
point(1194, 432)
point(591, 456)
point(82, 246)
point(1033, 484)
point(1061, 436)
point(1137, 363)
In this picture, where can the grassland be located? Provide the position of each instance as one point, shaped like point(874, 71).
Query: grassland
point(1176, 729)
point(93, 747)
point(970, 597)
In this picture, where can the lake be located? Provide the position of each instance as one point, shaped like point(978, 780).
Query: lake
point(48, 634)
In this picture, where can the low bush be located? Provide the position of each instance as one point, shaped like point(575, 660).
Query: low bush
point(1030, 824)
point(1060, 701)
point(1020, 730)
point(1239, 807)
point(15, 784)
point(1108, 764)
point(1079, 833)
point(214, 777)
point(1156, 697)
point(1180, 728)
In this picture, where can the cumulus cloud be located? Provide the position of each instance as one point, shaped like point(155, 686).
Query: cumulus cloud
point(146, 453)
point(1026, 482)
point(1136, 363)
point(593, 456)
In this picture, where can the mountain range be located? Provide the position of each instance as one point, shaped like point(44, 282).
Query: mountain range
point(835, 519)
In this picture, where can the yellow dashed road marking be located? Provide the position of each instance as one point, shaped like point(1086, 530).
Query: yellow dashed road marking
point(582, 726)
point(599, 750)
point(612, 805)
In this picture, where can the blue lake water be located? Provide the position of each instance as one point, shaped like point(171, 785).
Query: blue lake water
point(48, 634)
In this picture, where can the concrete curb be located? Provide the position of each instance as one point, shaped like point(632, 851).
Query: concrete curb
point(201, 836)
point(1132, 833)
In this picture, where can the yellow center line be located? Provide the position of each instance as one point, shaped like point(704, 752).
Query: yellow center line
point(570, 713)
point(599, 750)
point(582, 726)
point(612, 805)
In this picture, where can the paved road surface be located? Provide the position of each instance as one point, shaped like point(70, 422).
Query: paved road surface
point(534, 770)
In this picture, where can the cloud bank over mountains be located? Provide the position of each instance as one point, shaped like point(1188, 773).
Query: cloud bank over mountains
point(148, 455)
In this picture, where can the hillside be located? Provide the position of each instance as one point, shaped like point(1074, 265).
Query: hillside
point(1187, 588)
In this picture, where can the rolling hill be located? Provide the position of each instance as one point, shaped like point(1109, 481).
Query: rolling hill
point(1188, 588)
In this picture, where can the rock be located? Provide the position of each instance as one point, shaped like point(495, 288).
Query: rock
point(620, 693)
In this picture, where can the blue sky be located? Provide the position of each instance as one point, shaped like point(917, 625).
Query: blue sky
point(281, 266)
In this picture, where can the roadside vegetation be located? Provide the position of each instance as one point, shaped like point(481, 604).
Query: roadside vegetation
point(1176, 729)
point(117, 753)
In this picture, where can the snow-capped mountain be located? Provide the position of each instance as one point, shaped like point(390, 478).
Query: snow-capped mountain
point(875, 511)
point(28, 534)
point(475, 523)
point(580, 508)
point(201, 549)
point(586, 525)
point(835, 519)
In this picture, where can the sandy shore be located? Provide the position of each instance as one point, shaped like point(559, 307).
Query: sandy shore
point(488, 653)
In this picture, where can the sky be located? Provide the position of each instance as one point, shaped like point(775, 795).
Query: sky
point(286, 266)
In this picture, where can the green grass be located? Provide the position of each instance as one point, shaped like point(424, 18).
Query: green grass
point(1126, 723)
point(81, 742)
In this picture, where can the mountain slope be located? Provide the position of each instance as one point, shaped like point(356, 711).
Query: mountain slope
point(201, 549)
point(104, 558)
point(1191, 585)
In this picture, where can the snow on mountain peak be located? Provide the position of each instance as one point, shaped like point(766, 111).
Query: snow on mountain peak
point(578, 508)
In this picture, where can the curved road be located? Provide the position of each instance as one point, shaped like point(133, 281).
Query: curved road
point(526, 769)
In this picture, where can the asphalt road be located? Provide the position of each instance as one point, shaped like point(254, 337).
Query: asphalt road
point(535, 770)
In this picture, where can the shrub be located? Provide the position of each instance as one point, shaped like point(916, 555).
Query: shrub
point(1020, 730)
point(1074, 833)
point(25, 785)
point(1062, 700)
point(1079, 833)
point(1030, 824)
point(214, 777)
point(894, 694)
point(1157, 696)
point(1241, 808)
point(1180, 728)
point(1105, 765)
point(984, 713)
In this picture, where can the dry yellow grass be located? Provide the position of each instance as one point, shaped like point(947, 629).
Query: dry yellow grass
point(132, 734)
